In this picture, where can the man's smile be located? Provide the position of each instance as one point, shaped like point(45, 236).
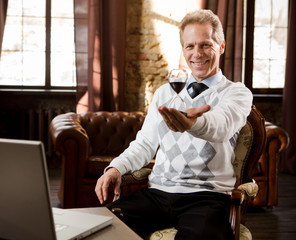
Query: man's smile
point(199, 63)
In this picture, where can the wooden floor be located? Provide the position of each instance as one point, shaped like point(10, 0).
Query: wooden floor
point(277, 223)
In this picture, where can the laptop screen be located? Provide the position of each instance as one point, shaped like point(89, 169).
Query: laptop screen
point(25, 208)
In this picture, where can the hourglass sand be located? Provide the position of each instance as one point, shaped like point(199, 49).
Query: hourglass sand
point(177, 79)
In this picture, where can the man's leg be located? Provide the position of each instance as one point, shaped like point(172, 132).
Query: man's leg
point(205, 217)
point(144, 211)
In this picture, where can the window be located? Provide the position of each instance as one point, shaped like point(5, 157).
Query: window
point(38, 45)
point(266, 34)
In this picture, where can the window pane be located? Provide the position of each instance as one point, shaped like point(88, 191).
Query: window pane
point(12, 38)
point(31, 8)
point(261, 74)
point(15, 8)
point(279, 13)
point(34, 34)
point(277, 73)
point(63, 69)
point(22, 69)
point(11, 68)
point(62, 8)
point(34, 69)
point(262, 12)
point(34, 8)
point(62, 35)
point(279, 43)
point(261, 42)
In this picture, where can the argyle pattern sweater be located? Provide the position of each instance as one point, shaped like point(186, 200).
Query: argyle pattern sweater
point(196, 160)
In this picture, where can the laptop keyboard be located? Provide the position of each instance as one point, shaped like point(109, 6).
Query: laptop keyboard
point(59, 227)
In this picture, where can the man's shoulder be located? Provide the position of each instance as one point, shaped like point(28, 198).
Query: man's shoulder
point(226, 83)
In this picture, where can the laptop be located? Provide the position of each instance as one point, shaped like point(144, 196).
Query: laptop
point(25, 206)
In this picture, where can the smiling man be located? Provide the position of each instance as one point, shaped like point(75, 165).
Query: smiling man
point(193, 174)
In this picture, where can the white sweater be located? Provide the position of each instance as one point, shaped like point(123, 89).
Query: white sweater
point(199, 159)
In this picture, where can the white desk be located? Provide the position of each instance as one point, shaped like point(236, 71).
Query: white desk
point(117, 231)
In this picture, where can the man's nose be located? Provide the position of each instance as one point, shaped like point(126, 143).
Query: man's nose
point(198, 52)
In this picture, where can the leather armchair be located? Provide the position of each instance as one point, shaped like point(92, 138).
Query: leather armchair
point(87, 143)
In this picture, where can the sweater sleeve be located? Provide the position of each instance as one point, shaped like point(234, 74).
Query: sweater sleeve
point(143, 148)
point(227, 117)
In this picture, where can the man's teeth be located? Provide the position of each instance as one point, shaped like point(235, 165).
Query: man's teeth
point(199, 63)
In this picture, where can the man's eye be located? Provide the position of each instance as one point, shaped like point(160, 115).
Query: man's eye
point(189, 46)
point(205, 45)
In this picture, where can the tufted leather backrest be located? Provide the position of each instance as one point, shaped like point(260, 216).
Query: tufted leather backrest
point(110, 133)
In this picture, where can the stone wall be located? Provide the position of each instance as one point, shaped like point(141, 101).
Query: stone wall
point(152, 48)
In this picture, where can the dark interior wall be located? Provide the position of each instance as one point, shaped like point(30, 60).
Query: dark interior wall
point(36, 99)
point(270, 107)
point(27, 114)
point(16, 106)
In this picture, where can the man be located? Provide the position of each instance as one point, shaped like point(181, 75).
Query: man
point(193, 175)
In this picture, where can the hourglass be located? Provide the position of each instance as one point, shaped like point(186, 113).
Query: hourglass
point(177, 79)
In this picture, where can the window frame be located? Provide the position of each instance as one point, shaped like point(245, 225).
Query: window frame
point(248, 72)
point(47, 86)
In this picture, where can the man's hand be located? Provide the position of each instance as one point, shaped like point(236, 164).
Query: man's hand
point(111, 176)
point(177, 122)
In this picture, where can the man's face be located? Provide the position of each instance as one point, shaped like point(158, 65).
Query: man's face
point(201, 52)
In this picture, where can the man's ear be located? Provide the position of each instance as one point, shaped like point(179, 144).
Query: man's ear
point(222, 47)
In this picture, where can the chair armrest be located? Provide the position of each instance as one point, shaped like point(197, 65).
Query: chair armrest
point(134, 181)
point(244, 192)
point(141, 174)
point(67, 127)
point(276, 132)
point(250, 189)
point(71, 141)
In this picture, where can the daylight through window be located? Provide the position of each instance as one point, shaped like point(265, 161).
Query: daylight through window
point(269, 44)
point(23, 59)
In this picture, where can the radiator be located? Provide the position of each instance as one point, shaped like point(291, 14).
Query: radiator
point(36, 126)
point(32, 124)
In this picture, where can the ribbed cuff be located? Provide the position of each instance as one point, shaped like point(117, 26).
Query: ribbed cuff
point(198, 127)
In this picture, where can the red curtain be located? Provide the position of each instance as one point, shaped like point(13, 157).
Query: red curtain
point(100, 85)
point(231, 14)
point(3, 11)
point(288, 163)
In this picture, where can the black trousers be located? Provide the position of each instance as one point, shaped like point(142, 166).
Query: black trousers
point(201, 215)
